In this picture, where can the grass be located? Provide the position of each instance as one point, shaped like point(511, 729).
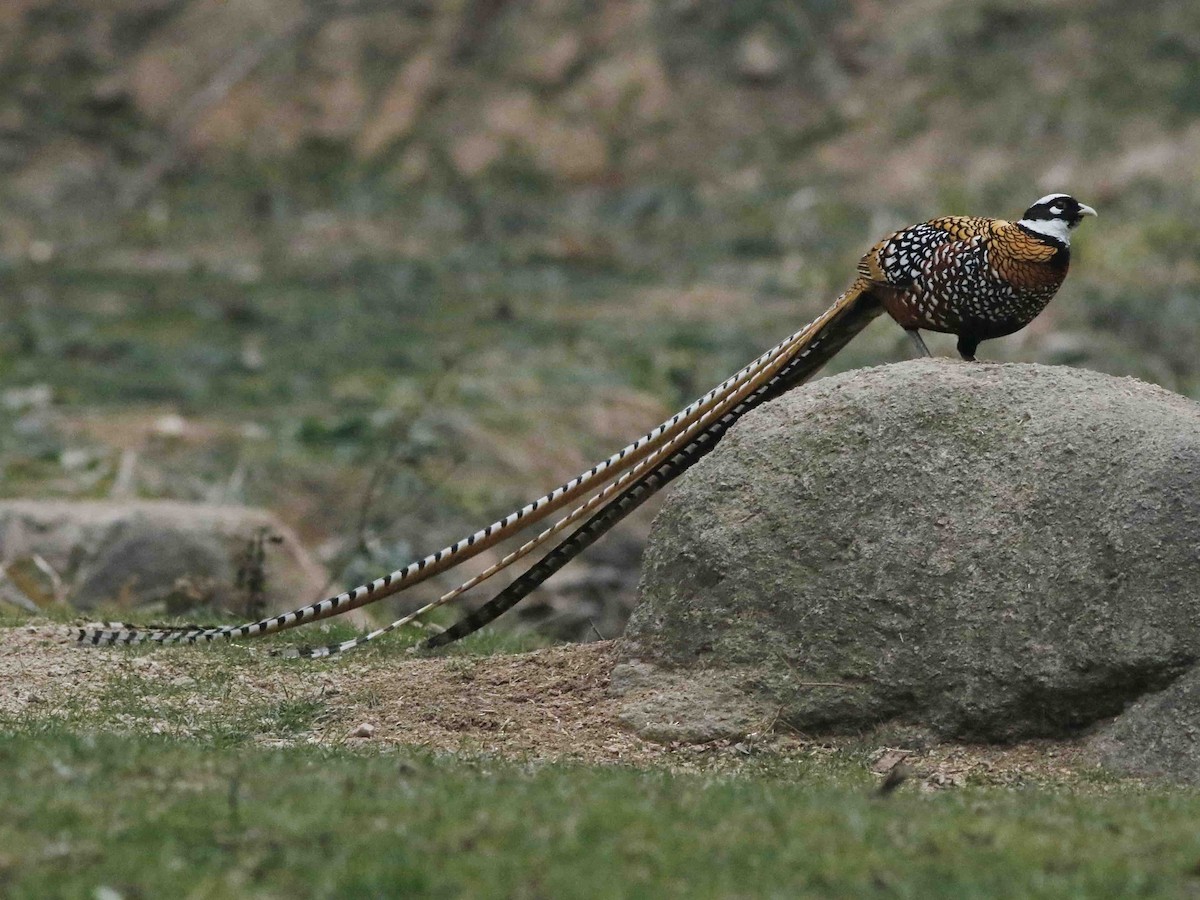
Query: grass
point(155, 817)
point(214, 806)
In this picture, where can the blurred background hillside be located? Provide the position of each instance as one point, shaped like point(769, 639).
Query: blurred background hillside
point(392, 268)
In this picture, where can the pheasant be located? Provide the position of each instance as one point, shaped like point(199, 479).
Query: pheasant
point(973, 277)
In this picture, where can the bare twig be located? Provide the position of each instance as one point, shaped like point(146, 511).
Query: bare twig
point(10, 592)
point(122, 486)
point(56, 583)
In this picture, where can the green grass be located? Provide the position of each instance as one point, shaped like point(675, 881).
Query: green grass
point(151, 817)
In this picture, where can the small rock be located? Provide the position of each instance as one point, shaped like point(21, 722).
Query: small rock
point(761, 56)
point(170, 426)
point(365, 730)
point(254, 431)
point(635, 85)
point(888, 760)
point(549, 65)
point(75, 458)
point(476, 152)
point(252, 357)
point(147, 553)
point(34, 396)
point(41, 252)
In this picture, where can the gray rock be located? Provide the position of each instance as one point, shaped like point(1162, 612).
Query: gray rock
point(986, 551)
point(1158, 736)
point(690, 707)
point(761, 55)
point(156, 555)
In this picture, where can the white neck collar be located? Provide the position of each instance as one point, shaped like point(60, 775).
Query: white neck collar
point(1053, 228)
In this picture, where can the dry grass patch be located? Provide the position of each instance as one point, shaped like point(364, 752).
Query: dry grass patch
point(551, 704)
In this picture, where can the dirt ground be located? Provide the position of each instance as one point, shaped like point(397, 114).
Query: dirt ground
point(550, 704)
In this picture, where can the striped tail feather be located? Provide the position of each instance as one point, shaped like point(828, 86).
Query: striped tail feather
point(826, 336)
point(648, 464)
point(853, 311)
point(730, 391)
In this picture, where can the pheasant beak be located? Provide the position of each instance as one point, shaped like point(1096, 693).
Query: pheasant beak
point(1086, 210)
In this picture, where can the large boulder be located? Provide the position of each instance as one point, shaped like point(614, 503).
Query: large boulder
point(153, 556)
point(980, 551)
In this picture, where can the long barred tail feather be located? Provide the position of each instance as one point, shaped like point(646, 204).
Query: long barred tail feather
point(730, 391)
point(649, 463)
point(586, 535)
point(853, 312)
point(412, 619)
